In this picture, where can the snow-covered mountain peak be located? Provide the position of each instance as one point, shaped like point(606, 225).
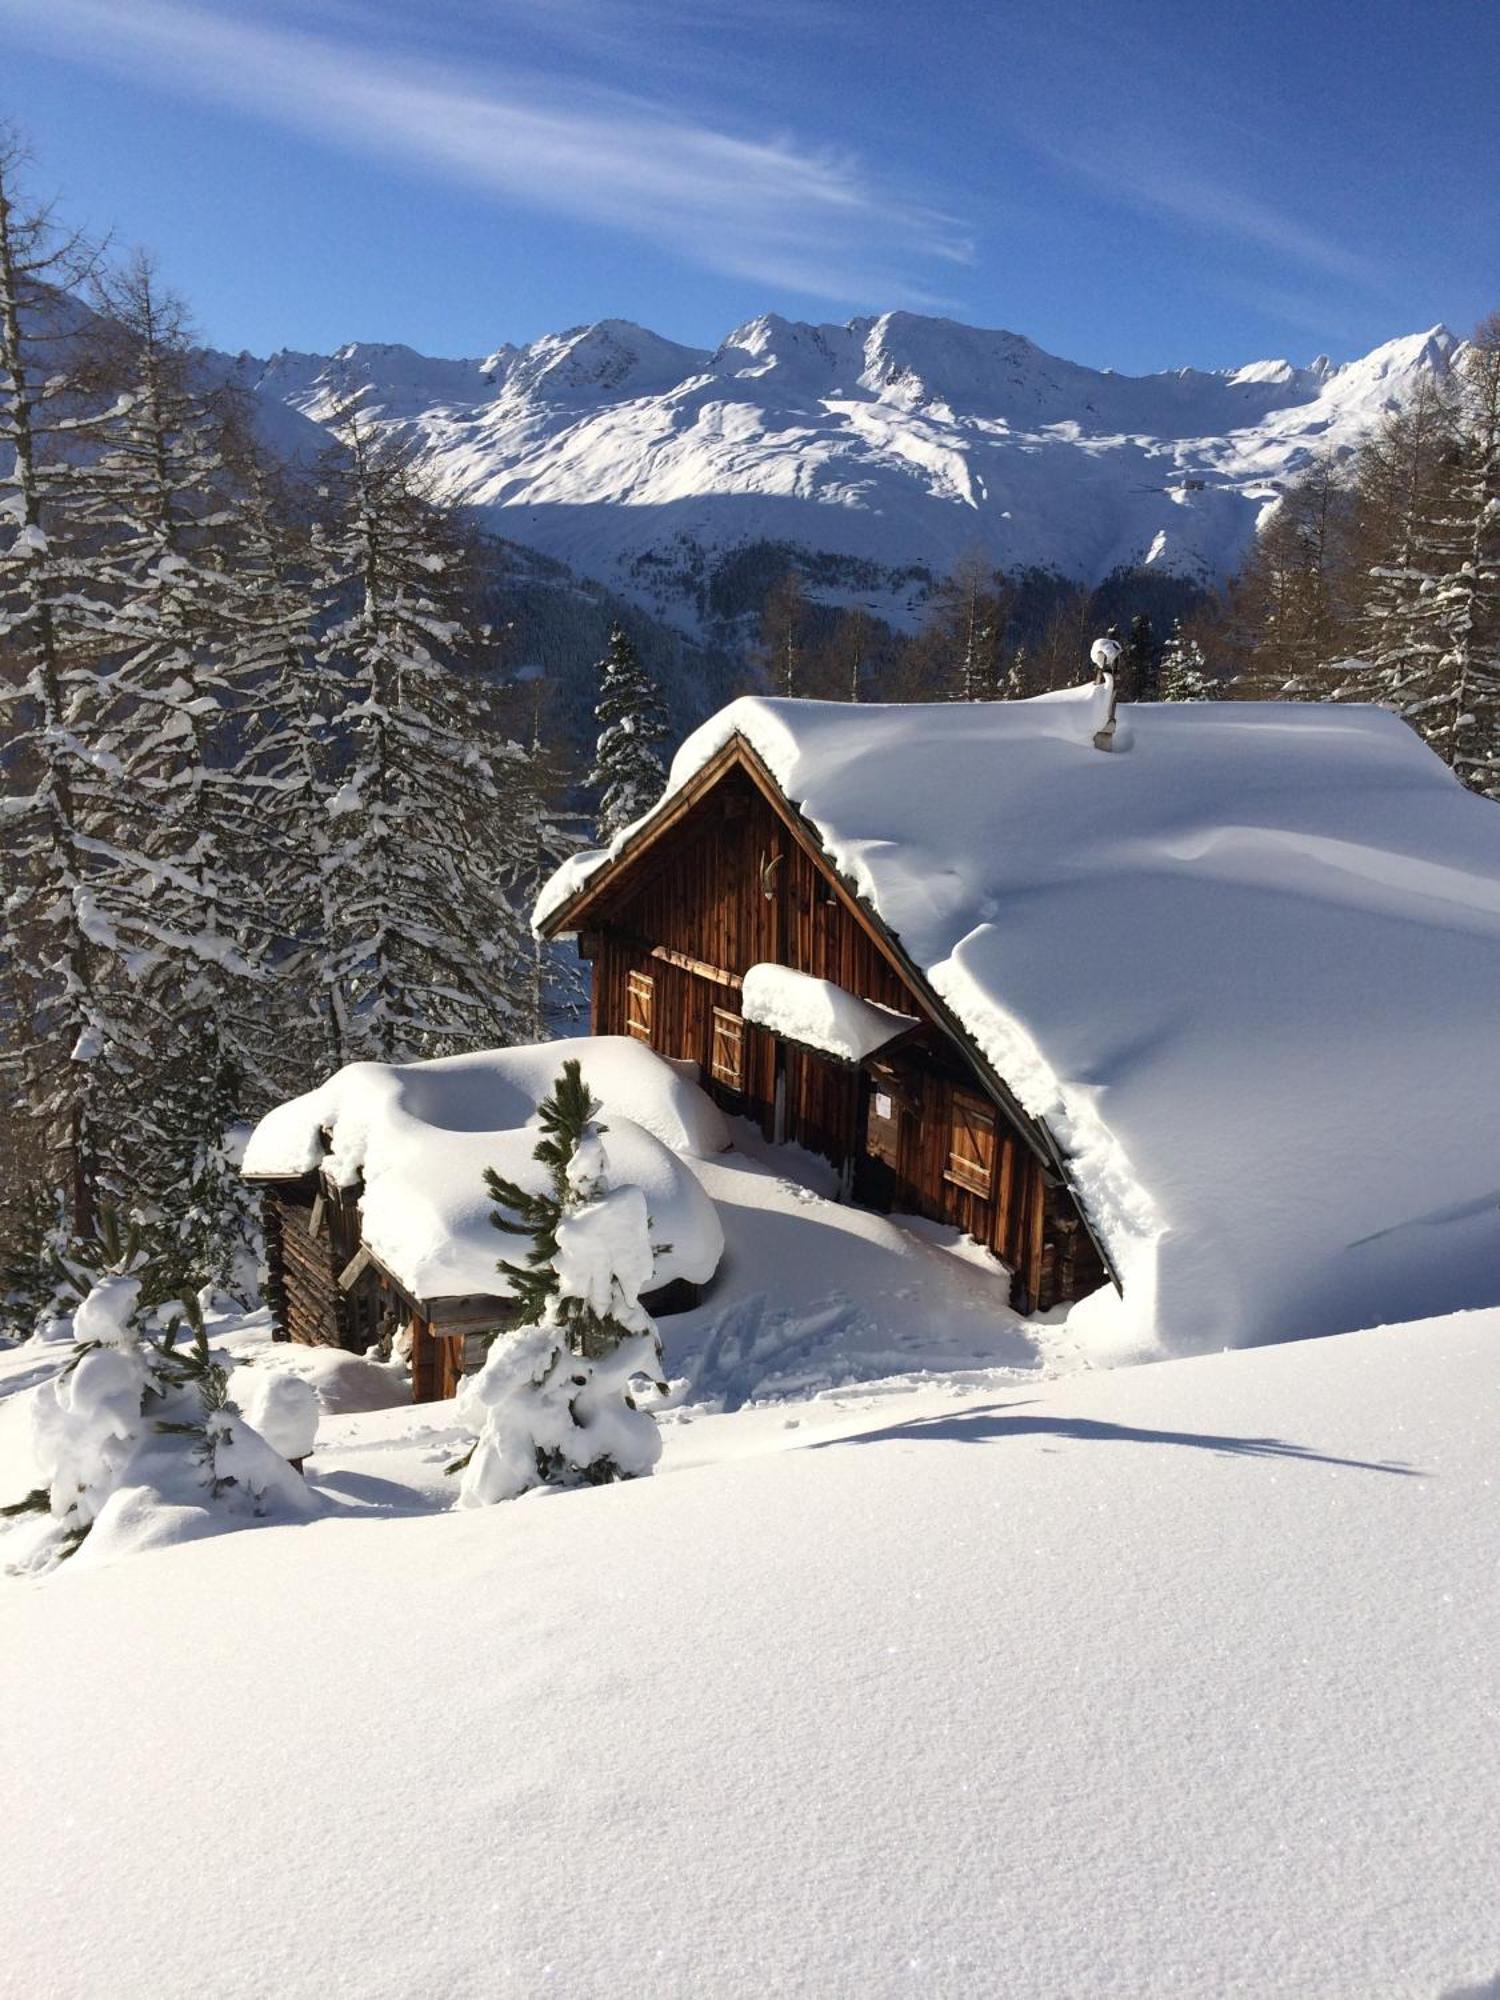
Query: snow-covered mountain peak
point(791, 353)
point(611, 357)
point(892, 442)
point(1397, 364)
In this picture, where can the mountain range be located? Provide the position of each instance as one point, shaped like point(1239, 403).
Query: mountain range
point(874, 453)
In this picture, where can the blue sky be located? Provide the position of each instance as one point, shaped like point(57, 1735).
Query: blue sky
point(1132, 183)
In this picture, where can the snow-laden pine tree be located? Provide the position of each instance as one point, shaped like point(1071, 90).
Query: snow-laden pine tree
point(1015, 681)
point(287, 760)
point(430, 951)
point(630, 772)
point(1184, 671)
point(63, 1046)
point(553, 1404)
point(175, 872)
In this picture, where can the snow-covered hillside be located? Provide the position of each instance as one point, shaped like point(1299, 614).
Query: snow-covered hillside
point(892, 442)
point(1159, 1684)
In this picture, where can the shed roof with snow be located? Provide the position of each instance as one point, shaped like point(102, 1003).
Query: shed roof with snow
point(1244, 967)
point(416, 1138)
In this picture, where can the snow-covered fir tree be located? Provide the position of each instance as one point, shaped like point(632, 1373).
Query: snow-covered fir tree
point(629, 771)
point(1015, 682)
point(426, 860)
point(298, 1032)
point(142, 1401)
point(173, 878)
point(554, 1402)
point(1184, 671)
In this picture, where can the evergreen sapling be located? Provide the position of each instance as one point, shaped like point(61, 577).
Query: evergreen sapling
point(554, 1403)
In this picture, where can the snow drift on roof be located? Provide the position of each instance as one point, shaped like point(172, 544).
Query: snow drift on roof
point(819, 1014)
point(1245, 967)
point(421, 1135)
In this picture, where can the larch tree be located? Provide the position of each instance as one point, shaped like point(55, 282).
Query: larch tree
point(1290, 617)
point(63, 1042)
point(1407, 541)
point(629, 773)
point(783, 635)
point(971, 615)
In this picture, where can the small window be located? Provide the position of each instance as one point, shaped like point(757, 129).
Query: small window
point(640, 1005)
point(727, 1058)
point(971, 1144)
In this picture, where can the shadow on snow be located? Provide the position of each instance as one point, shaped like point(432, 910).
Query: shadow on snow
point(992, 1423)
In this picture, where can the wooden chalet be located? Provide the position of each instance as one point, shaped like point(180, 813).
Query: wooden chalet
point(728, 875)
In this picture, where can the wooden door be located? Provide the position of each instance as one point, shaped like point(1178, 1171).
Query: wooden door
point(877, 1170)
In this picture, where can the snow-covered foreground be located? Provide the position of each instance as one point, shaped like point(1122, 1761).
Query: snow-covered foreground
point(1177, 1680)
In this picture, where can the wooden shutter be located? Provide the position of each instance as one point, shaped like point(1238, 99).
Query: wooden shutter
point(727, 1057)
point(971, 1144)
point(640, 1004)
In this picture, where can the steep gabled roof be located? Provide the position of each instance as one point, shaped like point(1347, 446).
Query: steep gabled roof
point(1245, 968)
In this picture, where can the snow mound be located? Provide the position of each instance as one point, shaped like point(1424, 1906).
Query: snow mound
point(420, 1135)
point(1244, 967)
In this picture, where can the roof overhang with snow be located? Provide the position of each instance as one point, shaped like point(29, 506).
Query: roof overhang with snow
point(821, 1016)
point(1240, 975)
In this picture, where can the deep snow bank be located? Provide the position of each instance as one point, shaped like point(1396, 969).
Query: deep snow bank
point(1172, 1683)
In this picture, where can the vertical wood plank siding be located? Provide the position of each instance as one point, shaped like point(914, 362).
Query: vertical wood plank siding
point(728, 888)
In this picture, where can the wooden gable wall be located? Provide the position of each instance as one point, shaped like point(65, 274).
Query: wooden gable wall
point(730, 885)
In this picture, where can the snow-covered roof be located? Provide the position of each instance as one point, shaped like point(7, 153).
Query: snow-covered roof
point(1245, 966)
point(420, 1135)
point(819, 1014)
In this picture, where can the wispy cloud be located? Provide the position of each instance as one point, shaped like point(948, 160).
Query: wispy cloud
point(1144, 179)
point(1307, 314)
point(755, 206)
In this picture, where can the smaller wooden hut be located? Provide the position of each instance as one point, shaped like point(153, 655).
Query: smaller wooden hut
point(377, 1223)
